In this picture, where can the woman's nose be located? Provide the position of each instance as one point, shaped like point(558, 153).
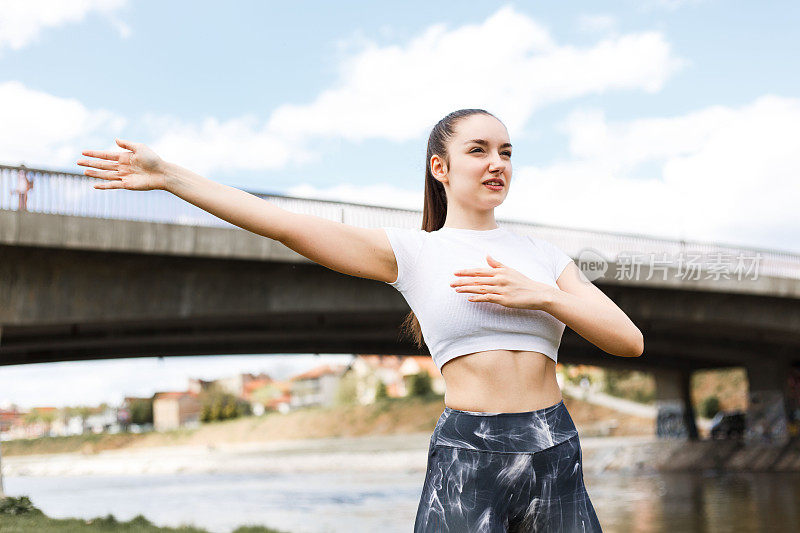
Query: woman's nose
point(497, 164)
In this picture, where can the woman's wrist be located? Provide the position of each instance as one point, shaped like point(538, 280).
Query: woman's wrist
point(552, 299)
point(171, 176)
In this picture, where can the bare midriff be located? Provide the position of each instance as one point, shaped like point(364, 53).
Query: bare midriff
point(501, 381)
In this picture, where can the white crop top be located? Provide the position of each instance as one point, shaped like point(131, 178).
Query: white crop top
point(451, 324)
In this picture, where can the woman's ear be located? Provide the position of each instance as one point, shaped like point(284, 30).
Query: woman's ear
point(438, 168)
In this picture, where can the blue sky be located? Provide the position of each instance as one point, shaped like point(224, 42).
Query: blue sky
point(675, 118)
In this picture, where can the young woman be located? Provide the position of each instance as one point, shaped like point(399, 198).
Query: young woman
point(490, 304)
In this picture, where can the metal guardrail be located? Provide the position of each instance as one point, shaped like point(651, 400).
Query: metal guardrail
point(67, 193)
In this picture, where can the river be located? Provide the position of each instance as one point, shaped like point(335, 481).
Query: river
point(367, 490)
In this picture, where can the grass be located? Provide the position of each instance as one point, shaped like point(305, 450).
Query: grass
point(19, 515)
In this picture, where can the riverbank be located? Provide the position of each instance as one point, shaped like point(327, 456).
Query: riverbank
point(395, 453)
point(390, 436)
point(394, 416)
point(19, 515)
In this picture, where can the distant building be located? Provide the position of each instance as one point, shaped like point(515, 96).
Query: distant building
point(251, 396)
point(317, 386)
point(30, 424)
point(103, 421)
point(394, 371)
point(67, 425)
point(370, 370)
point(11, 423)
point(199, 385)
point(172, 410)
point(250, 388)
point(414, 364)
point(237, 384)
point(282, 399)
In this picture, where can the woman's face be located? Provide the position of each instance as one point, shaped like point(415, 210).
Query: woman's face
point(479, 151)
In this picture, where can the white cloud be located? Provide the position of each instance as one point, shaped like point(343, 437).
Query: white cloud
point(22, 21)
point(509, 64)
point(239, 143)
point(39, 128)
point(721, 174)
point(724, 174)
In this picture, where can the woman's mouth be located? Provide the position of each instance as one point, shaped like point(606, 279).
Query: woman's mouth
point(494, 185)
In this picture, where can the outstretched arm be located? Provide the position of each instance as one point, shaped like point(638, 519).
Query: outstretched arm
point(361, 252)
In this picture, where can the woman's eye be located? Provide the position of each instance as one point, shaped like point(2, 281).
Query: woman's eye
point(481, 149)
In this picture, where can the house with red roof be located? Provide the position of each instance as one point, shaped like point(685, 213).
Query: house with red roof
point(317, 386)
point(394, 372)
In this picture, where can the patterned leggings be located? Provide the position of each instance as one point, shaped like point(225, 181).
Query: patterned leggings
point(505, 472)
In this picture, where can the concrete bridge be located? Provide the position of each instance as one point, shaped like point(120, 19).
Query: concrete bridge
point(87, 274)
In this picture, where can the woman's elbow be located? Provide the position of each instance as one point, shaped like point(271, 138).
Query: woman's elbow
point(637, 346)
point(630, 346)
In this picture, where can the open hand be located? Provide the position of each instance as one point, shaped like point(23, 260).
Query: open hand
point(503, 285)
point(141, 169)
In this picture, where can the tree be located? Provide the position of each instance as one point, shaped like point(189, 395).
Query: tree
point(380, 391)
point(709, 407)
point(420, 384)
point(141, 411)
point(218, 404)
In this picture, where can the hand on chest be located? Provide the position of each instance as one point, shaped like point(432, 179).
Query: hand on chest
point(440, 264)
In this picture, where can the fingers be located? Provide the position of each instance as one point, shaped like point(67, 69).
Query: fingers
point(102, 174)
point(111, 156)
point(109, 185)
point(126, 144)
point(475, 272)
point(472, 281)
point(491, 298)
point(477, 288)
point(98, 164)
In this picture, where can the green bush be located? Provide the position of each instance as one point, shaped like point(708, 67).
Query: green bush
point(629, 384)
point(141, 411)
point(643, 396)
point(709, 407)
point(216, 404)
point(26, 517)
point(380, 392)
point(420, 385)
point(15, 506)
point(577, 378)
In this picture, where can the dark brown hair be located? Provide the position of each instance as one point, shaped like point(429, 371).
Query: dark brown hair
point(434, 211)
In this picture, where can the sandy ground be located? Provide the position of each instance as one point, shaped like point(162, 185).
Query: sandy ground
point(391, 438)
point(384, 453)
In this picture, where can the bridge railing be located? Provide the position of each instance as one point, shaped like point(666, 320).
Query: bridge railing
point(66, 193)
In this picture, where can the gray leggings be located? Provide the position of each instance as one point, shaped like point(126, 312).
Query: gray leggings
point(505, 472)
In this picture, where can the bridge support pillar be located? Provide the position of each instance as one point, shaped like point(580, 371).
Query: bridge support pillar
point(766, 419)
point(675, 417)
